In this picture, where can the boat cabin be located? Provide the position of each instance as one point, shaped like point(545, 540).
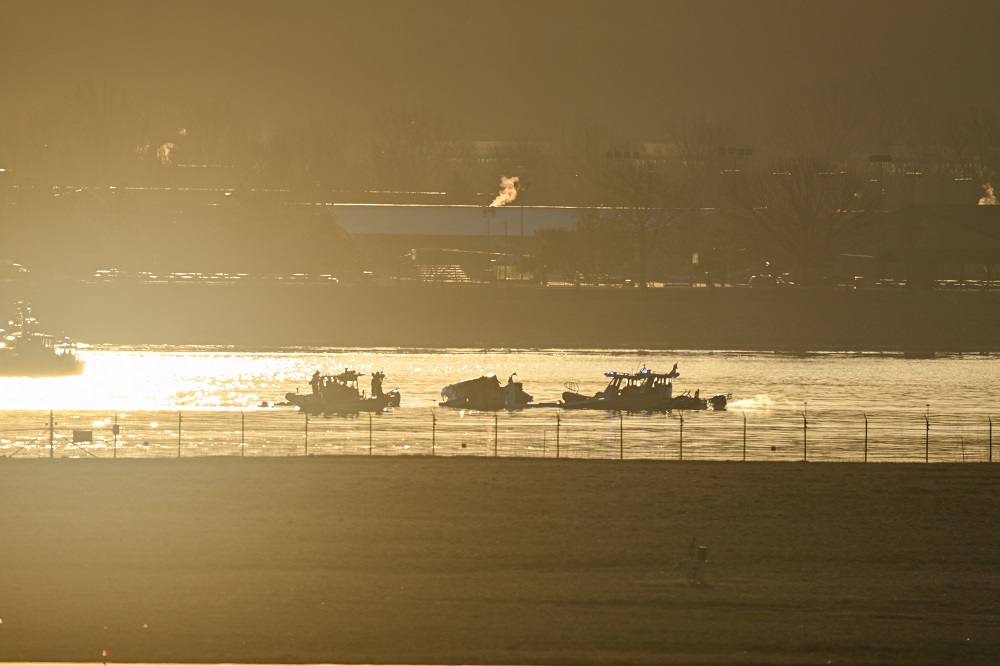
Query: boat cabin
point(644, 381)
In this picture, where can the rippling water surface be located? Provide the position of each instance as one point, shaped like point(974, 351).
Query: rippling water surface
point(198, 401)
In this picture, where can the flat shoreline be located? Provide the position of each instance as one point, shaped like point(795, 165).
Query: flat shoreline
point(461, 560)
point(266, 315)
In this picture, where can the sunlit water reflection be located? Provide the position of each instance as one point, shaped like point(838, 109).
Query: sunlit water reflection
point(787, 401)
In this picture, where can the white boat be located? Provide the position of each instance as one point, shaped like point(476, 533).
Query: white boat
point(26, 352)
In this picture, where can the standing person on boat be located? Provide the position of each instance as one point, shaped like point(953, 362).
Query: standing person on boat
point(377, 378)
point(316, 382)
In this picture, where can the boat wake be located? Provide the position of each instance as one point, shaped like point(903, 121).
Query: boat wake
point(758, 403)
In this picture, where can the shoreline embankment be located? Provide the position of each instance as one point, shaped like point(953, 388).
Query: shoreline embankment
point(269, 314)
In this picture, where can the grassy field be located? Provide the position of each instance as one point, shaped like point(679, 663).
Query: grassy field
point(460, 560)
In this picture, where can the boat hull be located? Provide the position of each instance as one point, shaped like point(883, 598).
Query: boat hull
point(660, 403)
point(57, 366)
point(485, 394)
point(316, 406)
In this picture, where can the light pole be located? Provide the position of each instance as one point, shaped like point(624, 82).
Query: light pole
point(517, 186)
point(880, 160)
point(520, 191)
point(913, 175)
point(488, 212)
point(506, 257)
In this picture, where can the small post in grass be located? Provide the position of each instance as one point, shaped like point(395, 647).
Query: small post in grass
point(682, 435)
point(433, 432)
point(179, 419)
point(805, 432)
point(369, 433)
point(744, 436)
point(866, 437)
point(621, 435)
point(927, 434)
point(557, 435)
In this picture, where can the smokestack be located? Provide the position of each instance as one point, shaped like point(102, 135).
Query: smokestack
point(508, 191)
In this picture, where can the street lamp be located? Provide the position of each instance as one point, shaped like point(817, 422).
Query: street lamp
point(517, 187)
point(913, 175)
point(506, 257)
point(488, 212)
point(880, 160)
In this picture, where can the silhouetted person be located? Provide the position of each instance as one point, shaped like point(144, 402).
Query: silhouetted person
point(316, 382)
point(377, 378)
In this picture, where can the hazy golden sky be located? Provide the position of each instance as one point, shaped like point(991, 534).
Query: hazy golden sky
point(495, 67)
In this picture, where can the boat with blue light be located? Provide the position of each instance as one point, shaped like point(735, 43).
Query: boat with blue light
point(642, 391)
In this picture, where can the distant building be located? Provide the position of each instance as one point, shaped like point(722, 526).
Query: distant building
point(938, 245)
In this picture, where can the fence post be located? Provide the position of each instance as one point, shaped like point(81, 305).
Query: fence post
point(744, 436)
point(866, 437)
point(243, 433)
point(557, 435)
point(496, 432)
point(990, 419)
point(433, 432)
point(114, 431)
point(682, 435)
point(179, 419)
point(52, 435)
point(805, 432)
point(621, 435)
point(927, 434)
point(307, 433)
point(369, 433)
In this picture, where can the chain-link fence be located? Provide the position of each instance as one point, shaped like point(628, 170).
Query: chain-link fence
point(773, 435)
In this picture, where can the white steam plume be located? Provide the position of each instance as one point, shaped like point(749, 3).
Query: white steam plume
point(163, 153)
point(991, 198)
point(508, 191)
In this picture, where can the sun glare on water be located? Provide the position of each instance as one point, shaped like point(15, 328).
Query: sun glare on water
point(131, 381)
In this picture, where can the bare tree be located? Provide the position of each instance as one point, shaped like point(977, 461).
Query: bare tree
point(640, 199)
point(649, 191)
point(99, 134)
point(408, 150)
point(806, 208)
point(810, 190)
point(582, 156)
point(972, 143)
point(595, 247)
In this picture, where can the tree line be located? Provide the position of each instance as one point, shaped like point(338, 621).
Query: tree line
point(793, 183)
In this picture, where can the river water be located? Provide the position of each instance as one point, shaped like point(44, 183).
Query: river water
point(170, 402)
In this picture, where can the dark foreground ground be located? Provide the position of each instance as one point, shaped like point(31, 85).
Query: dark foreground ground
point(268, 314)
point(431, 560)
